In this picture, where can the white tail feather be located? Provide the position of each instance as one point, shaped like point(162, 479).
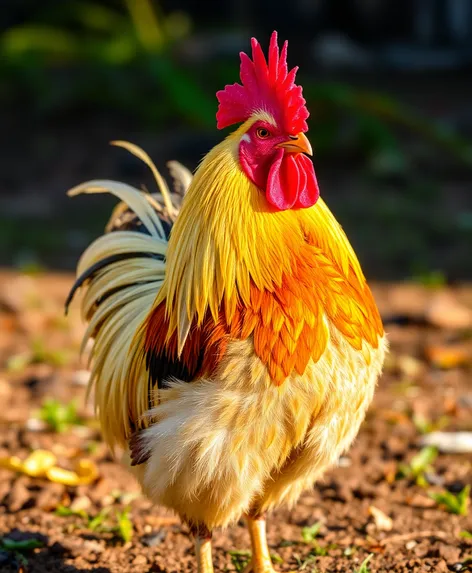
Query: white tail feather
point(122, 272)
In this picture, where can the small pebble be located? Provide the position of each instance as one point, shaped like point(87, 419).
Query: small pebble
point(18, 496)
point(93, 546)
point(449, 553)
point(140, 560)
point(434, 479)
point(466, 401)
point(35, 425)
point(410, 545)
point(449, 442)
point(154, 539)
point(107, 500)
point(50, 496)
point(83, 432)
point(81, 503)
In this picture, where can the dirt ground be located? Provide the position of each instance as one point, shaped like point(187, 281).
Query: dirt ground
point(375, 503)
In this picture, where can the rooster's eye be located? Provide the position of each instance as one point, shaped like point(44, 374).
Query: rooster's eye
point(263, 133)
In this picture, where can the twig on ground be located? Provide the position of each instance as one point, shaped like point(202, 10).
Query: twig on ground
point(414, 535)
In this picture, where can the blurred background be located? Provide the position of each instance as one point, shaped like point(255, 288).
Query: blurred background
point(387, 83)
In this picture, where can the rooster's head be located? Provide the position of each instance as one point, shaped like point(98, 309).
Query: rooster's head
point(273, 147)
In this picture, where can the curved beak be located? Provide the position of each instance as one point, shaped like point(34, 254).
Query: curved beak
point(297, 144)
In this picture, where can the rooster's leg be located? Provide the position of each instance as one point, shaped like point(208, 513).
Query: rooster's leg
point(261, 561)
point(203, 553)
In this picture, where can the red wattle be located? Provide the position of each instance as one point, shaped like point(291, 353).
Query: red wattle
point(291, 181)
point(275, 192)
point(309, 191)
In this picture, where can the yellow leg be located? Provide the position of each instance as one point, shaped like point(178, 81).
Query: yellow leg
point(203, 552)
point(261, 561)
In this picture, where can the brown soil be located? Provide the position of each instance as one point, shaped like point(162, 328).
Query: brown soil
point(427, 376)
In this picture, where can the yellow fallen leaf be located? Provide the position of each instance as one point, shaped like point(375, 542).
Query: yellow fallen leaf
point(42, 463)
point(11, 463)
point(87, 470)
point(86, 473)
point(60, 475)
point(38, 462)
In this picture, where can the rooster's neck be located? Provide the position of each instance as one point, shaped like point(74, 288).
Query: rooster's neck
point(228, 240)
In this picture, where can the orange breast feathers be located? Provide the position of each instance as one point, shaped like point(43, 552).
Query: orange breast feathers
point(289, 324)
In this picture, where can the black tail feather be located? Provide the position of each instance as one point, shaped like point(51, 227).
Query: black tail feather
point(88, 274)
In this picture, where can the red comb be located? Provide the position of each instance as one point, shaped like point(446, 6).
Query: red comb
point(269, 87)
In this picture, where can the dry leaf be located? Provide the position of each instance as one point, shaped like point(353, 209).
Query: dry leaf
point(8, 323)
point(394, 417)
point(418, 500)
point(390, 471)
point(382, 521)
point(447, 357)
point(445, 311)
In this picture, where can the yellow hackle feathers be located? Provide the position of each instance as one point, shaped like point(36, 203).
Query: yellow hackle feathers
point(227, 238)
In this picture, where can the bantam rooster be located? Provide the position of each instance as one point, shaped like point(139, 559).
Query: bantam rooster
point(234, 360)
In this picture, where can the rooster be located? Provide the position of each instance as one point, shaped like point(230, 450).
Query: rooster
point(236, 344)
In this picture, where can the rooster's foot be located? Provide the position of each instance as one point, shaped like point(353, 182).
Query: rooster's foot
point(259, 568)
